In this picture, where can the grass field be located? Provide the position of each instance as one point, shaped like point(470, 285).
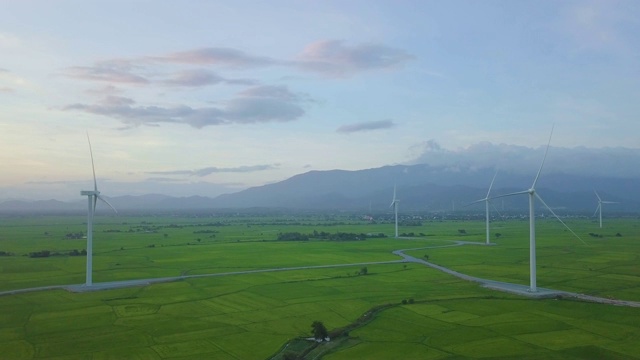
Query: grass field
point(252, 316)
point(607, 266)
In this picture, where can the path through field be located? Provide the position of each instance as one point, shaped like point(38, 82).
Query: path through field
point(490, 284)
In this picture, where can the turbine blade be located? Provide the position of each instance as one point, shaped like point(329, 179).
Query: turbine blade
point(106, 202)
point(95, 201)
point(393, 201)
point(477, 201)
point(490, 186)
point(496, 209)
point(557, 217)
point(510, 194)
point(543, 159)
point(598, 196)
point(610, 202)
point(597, 208)
point(93, 168)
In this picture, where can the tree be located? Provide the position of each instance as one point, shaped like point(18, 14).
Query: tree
point(290, 355)
point(319, 330)
point(364, 271)
point(498, 235)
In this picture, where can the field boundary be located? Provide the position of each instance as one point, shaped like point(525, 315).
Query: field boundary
point(512, 288)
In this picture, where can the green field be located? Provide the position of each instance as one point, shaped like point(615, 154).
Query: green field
point(253, 316)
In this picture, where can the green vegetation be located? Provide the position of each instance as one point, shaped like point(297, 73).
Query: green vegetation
point(606, 266)
point(395, 311)
point(319, 330)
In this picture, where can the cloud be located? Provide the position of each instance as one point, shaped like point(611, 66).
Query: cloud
point(602, 25)
point(5, 89)
point(211, 170)
point(118, 71)
point(610, 161)
point(9, 40)
point(165, 180)
point(366, 126)
point(334, 59)
point(255, 105)
point(201, 77)
point(329, 58)
point(217, 56)
point(104, 91)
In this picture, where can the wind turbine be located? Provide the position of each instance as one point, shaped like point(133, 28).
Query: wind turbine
point(394, 205)
point(599, 208)
point(92, 197)
point(532, 220)
point(486, 204)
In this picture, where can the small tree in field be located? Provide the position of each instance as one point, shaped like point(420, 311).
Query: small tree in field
point(290, 355)
point(319, 330)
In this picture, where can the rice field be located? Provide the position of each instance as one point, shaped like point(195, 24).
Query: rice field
point(253, 316)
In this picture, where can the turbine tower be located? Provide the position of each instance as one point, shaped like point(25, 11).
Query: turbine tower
point(92, 197)
point(599, 208)
point(532, 220)
point(486, 204)
point(394, 205)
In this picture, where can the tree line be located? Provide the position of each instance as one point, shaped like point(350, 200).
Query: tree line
point(322, 235)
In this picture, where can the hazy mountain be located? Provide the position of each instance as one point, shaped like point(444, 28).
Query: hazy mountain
point(419, 188)
point(435, 188)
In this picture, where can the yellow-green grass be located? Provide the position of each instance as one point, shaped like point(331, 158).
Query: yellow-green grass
point(608, 266)
point(252, 316)
point(236, 317)
point(497, 328)
point(123, 252)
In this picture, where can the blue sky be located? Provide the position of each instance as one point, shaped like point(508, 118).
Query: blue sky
point(205, 97)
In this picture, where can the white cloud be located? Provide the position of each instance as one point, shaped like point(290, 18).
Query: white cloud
point(216, 56)
point(211, 170)
point(614, 162)
point(202, 77)
point(254, 105)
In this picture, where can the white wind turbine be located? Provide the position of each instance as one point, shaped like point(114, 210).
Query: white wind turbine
point(486, 204)
point(92, 197)
point(394, 205)
point(532, 221)
point(599, 208)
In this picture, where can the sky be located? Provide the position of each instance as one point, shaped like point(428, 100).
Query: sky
point(209, 97)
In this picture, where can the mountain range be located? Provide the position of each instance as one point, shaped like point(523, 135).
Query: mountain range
point(420, 187)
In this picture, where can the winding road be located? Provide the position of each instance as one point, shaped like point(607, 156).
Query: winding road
point(490, 284)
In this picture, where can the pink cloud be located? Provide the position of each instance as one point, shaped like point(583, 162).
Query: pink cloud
point(333, 58)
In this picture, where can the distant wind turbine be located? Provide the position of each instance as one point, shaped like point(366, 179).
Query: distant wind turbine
point(532, 220)
point(486, 204)
point(394, 205)
point(599, 208)
point(92, 197)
